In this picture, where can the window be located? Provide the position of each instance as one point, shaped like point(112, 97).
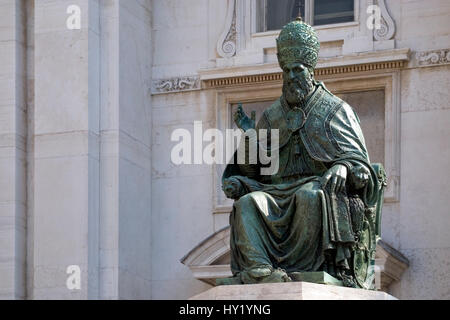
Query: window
point(274, 14)
point(279, 12)
point(333, 11)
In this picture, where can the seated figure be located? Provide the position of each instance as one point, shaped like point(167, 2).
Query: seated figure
point(321, 210)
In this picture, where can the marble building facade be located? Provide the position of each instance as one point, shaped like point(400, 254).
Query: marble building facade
point(86, 117)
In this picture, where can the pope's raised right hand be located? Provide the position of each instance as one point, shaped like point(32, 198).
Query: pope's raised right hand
point(242, 120)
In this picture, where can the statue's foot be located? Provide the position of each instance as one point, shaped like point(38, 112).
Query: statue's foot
point(260, 272)
point(278, 275)
point(264, 275)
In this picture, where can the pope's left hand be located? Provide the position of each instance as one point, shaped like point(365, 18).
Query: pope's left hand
point(337, 176)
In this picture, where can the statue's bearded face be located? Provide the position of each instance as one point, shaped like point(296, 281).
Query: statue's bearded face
point(297, 82)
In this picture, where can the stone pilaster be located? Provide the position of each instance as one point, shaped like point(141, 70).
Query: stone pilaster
point(12, 150)
point(125, 156)
point(66, 149)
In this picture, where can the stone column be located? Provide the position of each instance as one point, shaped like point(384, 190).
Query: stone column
point(66, 149)
point(12, 149)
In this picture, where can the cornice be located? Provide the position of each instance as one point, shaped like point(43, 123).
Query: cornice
point(271, 72)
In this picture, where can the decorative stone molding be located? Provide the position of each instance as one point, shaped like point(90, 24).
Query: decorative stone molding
point(433, 57)
point(391, 263)
point(175, 84)
point(380, 61)
point(387, 30)
point(320, 72)
point(214, 250)
point(210, 260)
point(226, 46)
point(240, 80)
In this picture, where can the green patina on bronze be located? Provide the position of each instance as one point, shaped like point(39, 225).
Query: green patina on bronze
point(298, 41)
point(318, 217)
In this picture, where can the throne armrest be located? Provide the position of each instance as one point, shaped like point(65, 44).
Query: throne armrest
point(381, 175)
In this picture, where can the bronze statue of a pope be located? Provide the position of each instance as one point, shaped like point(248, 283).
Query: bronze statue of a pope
point(320, 212)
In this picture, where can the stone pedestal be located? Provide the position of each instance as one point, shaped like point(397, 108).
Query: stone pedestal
point(290, 291)
point(315, 277)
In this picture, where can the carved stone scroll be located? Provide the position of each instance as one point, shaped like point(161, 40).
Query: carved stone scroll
point(387, 30)
point(433, 57)
point(226, 46)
